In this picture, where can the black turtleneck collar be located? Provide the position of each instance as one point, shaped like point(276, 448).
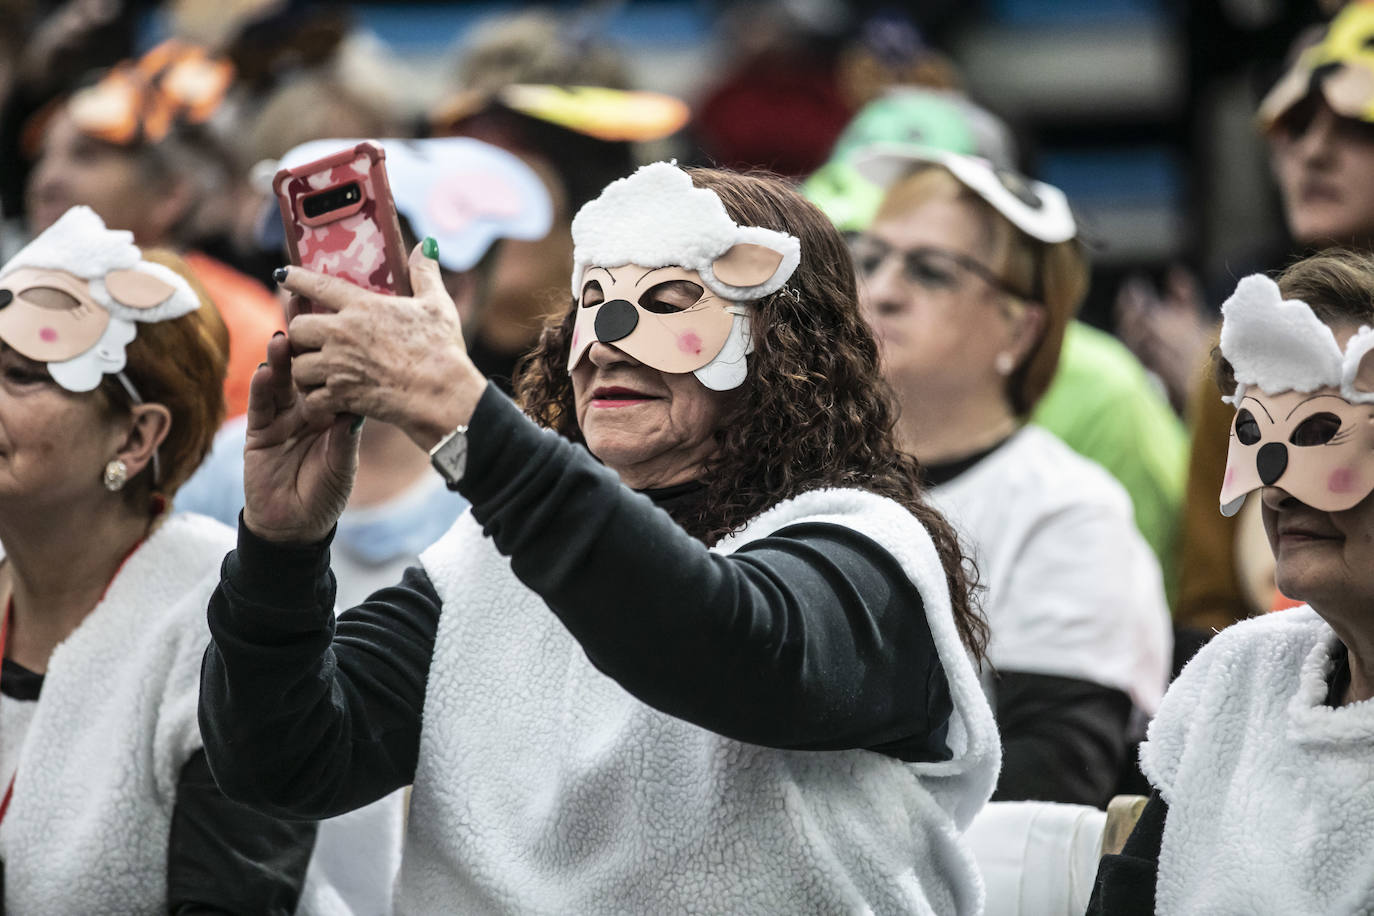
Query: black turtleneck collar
point(938, 473)
point(674, 497)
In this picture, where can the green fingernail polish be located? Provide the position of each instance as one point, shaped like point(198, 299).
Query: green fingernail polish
point(356, 426)
point(430, 248)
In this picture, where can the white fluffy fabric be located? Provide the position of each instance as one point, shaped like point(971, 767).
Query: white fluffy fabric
point(1279, 345)
point(658, 218)
point(80, 244)
point(1268, 788)
point(544, 787)
point(87, 828)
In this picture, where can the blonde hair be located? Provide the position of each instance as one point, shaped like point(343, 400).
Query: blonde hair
point(1052, 276)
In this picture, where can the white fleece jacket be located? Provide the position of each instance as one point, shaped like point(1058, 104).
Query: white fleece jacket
point(87, 827)
point(544, 787)
point(1269, 789)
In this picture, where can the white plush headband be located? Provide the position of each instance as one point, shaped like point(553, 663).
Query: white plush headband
point(1278, 345)
point(658, 218)
point(71, 298)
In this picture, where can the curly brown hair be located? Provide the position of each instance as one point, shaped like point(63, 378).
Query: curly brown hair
point(814, 413)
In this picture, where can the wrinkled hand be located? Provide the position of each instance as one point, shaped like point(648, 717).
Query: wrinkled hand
point(1169, 333)
point(398, 359)
point(298, 467)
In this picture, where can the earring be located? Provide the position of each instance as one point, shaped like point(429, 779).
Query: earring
point(1005, 363)
point(116, 475)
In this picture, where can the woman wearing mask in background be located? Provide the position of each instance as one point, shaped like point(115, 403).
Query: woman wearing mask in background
point(137, 148)
point(968, 276)
point(1318, 121)
point(111, 374)
point(1260, 753)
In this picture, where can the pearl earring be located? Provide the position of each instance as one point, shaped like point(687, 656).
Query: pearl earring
point(116, 475)
point(1005, 363)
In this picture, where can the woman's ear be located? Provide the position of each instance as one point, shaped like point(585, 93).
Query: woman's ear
point(1027, 329)
point(148, 429)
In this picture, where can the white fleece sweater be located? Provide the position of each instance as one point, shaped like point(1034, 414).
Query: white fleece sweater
point(87, 828)
point(544, 787)
point(1269, 789)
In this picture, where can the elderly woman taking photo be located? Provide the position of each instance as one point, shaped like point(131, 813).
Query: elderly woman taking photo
point(1260, 753)
point(111, 372)
point(746, 685)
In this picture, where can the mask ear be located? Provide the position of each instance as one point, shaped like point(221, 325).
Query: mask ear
point(1364, 373)
point(136, 289)
point(746, 264)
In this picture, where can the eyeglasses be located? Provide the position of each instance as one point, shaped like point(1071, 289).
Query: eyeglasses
point(928, 267)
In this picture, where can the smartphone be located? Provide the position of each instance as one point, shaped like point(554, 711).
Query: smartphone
point(340, 219)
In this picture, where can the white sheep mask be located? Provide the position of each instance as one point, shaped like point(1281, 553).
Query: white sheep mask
point(668, 234)
point(72, 298)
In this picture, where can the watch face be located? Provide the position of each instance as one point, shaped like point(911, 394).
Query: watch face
point(450, 459)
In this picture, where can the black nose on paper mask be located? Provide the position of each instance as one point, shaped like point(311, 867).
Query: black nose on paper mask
point(615, 321)
point(1271, 462)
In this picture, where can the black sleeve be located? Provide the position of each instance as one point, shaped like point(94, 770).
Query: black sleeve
point(303, 715)
point(1125, 884)
point(223, 857)
point(813, 638)
point(1063, 739)
point(817, 644)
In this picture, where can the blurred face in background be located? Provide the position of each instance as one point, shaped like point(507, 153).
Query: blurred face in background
point(929, 290)
point(1324, 164)
point(529, 279)
point(74, 168)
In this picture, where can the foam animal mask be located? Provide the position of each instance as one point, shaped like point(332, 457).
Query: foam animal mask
point(1340, 66)
point(663, 273)
point(1304, 407)
point(73, 296)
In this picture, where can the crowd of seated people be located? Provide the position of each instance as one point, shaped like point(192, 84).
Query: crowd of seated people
point(686, 537)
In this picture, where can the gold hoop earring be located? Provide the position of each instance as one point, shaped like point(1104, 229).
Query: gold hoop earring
point(116, 475)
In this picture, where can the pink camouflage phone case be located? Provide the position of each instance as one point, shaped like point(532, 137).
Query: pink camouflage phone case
point(340, 219)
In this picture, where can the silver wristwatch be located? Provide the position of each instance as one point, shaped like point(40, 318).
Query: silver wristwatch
point(450, 457)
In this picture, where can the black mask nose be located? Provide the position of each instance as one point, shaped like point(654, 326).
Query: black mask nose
point(6, 297)
point(1271, 462)
point(615, 320)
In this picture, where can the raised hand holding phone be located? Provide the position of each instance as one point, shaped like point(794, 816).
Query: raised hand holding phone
point(398, 359)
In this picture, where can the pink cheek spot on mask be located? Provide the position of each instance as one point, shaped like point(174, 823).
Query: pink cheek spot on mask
point(1342, 480)
point(1230, 476)
point(689, 343)
point(48, 335)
